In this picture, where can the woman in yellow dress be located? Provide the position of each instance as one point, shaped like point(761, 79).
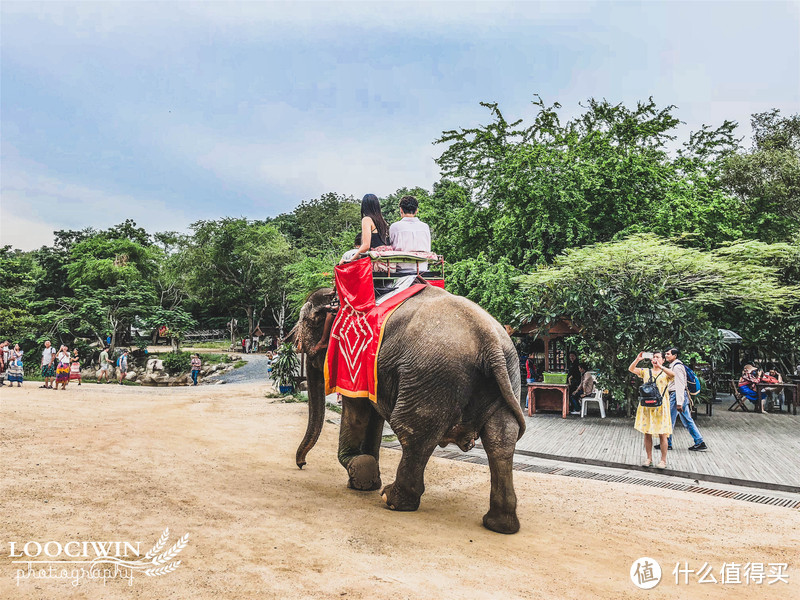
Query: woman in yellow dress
point(654, 421)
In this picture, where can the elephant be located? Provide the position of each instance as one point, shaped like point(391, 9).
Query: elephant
point(447, 373)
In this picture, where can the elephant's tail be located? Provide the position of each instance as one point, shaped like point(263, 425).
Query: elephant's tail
point(498, 364)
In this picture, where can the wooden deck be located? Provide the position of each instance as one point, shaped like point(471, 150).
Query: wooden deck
point(742, 446)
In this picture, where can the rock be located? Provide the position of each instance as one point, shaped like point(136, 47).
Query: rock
point(220, 382)
point(303, 387)
point(131, 376)
point(155, 364)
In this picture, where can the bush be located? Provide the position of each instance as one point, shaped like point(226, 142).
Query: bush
point(286, 367)
point(177, 362)
point(211, 359)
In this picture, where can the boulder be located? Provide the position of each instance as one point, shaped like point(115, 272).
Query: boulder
point(155, 364)
point(131, 376)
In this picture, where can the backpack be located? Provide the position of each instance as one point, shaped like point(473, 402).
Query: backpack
point(649, 394)
point(692, 381)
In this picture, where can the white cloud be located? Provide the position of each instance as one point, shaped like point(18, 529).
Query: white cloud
point(21, 232)
point(34, 204)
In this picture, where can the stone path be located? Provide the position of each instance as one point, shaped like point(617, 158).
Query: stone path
point(253, 372)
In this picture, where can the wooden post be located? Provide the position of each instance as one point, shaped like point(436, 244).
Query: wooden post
point(547, 353)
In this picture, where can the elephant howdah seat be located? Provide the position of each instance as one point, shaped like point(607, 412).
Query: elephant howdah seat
point(385, 266)
point(350, 364)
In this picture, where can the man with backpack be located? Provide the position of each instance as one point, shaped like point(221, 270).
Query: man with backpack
point(679, 397)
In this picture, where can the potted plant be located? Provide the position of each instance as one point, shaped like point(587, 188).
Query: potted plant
point(286, 368)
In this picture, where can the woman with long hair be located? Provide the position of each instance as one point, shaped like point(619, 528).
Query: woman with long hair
point(655, 421)
point(374, 228)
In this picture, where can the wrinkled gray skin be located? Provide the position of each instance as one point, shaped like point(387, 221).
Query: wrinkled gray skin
point(447, 373)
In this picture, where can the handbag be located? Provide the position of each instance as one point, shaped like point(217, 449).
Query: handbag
point(649, 394)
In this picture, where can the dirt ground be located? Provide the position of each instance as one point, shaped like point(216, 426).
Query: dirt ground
point(108, 462)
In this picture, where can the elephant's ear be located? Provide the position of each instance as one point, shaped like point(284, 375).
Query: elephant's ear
point(291, 337)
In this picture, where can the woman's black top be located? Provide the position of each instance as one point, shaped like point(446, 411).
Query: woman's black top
point(376, 240)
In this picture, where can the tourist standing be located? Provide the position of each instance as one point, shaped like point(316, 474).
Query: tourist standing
point(48, 365)
point(196, 364)
point(3, 362)
point(75, 367)
point(679, 404)
point(247, 345)
point(62, 367)
point(122, 365)
point(15, 366)
point(655, 420)
point(105, 365)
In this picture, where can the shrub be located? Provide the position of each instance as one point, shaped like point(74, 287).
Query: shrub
point(177, 362)
point(286, 367)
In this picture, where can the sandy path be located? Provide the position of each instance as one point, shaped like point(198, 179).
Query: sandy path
point(217, 462)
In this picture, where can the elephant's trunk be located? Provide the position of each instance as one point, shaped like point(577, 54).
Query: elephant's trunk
point(316, 412)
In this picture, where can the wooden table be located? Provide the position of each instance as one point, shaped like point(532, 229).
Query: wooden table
point(548, 396)
point(794, 387)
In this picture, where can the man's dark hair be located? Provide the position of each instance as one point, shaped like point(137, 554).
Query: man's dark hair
point(409, 205)
point(675, 352)
point(105, 347)
point(583, 365)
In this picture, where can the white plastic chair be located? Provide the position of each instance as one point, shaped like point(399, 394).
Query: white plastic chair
point(597, 397)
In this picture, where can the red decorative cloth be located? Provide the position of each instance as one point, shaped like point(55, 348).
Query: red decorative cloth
point(351, 366)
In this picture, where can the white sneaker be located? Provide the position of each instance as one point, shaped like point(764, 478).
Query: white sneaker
point(574, 412)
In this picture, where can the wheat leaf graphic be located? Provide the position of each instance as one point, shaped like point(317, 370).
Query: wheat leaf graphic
point(159, 545)
point(172, 552)
point(163, 570)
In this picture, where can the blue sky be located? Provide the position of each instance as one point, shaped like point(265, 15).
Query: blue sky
point(171, 112)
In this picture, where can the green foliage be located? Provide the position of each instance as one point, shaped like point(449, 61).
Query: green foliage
point(766, 178)
point(286, 366)
point(538, 189)
point(647, 292)
point(211, 358)
point(314, 224)
point(491, 285)
point(176, 363)
point(238, 263)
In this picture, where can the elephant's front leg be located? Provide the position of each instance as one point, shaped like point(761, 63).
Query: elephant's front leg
point(359, 443)
point(499, 437)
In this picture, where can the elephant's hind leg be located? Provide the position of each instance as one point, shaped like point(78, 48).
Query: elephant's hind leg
point(409, 485)
point(499, 437)
point(359, 444)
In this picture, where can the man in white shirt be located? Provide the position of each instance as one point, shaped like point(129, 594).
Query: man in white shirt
point(410, 234)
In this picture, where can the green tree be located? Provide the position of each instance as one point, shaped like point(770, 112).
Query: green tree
point(490, 285)
point(646, 292)
point(766, 178)
point(18, 275)
point(238, 264)
point(314, 223)
point(538, 189)
point(111, 275)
